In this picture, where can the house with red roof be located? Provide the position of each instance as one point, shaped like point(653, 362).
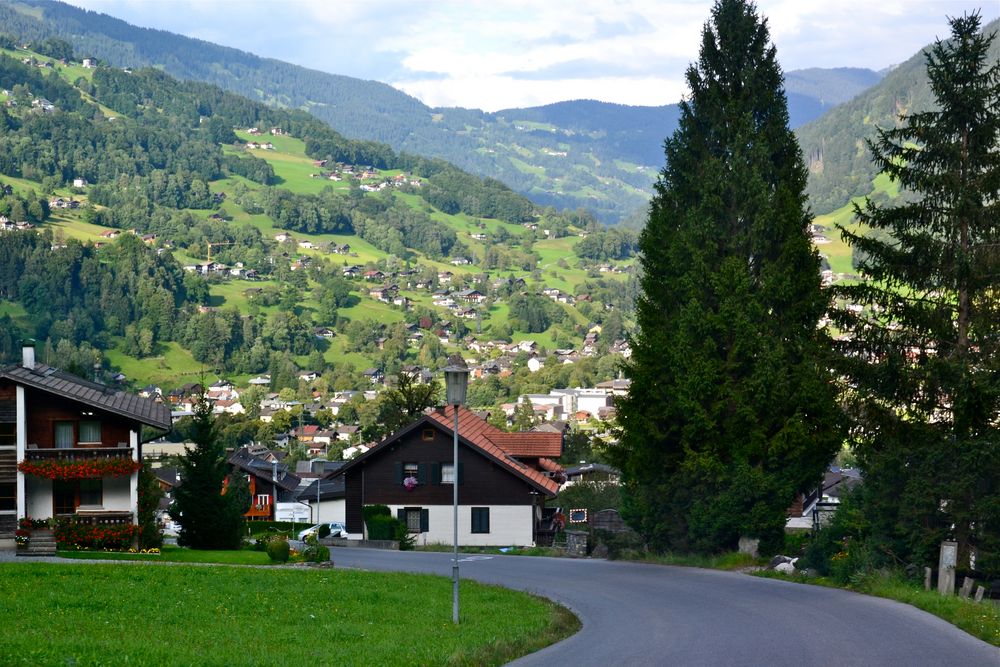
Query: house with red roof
point(503, 480)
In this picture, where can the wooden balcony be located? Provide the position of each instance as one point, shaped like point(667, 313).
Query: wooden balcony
point(259, 512)
point(78, 453)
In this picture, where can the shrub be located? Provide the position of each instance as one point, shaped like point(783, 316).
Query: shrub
point(314, 551)
point(278, 550)
point(382, 528)
point(324, 530)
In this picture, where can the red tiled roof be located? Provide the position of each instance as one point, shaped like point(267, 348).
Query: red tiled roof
point(530, 444)
point(487, 437)
point(549, 465)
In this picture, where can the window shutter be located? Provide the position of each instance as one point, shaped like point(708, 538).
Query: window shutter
point(460, 473)
point(425, 520)
point(435, 473)
point(422, 473)
point(397, 471)
point(484, 520)
point(401, 515)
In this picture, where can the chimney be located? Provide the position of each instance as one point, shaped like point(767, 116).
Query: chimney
point(28, 354)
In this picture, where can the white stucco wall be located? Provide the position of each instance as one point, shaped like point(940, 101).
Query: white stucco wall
point(118, 493)
point(331, 510)
point(38, 497)
point(510, 525)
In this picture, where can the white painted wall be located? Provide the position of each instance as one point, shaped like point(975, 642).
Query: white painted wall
point(510, 525)
point(38, 497)
point(118, 494)
point(330, 510)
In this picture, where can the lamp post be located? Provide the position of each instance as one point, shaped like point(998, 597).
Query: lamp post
point(456, 379)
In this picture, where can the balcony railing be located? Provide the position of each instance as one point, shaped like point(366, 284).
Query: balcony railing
point(102, 517)
point(78, 453)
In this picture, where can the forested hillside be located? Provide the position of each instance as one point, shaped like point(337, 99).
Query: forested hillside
point(839, 165)
point(164, 229)
point(599, 156)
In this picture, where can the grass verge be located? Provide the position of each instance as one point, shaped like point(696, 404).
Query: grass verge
point(172, 554)
point(979, 619)
point(57, 614)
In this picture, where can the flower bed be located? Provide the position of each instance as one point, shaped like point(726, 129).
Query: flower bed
point(70, 535)
point(63, 470)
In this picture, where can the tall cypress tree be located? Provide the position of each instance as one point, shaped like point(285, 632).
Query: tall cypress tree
point(731, 411)
point(209, 518)
point(924, 353)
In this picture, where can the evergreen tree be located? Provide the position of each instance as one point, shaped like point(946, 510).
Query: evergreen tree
point(731, 411)
point(150, 495)
point(924, 354)
point(208, 506)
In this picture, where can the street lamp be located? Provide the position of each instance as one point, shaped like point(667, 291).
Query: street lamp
point(456, 380)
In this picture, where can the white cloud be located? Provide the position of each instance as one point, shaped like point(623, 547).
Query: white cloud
point(506, 53)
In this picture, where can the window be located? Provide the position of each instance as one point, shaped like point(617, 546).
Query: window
point(64, 435)
point(411, 470)
point(480, 519)
point(428, 434)
point(417, 519)
point(263, 499)
point(90, 432)
point(92, 492)
point(8, 496)
point(447, 473)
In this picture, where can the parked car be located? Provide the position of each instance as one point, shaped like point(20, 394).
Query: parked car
point(336, 529)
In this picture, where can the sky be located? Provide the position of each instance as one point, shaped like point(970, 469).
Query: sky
point(501, 54)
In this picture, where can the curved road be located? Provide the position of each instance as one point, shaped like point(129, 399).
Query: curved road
point(638, 614)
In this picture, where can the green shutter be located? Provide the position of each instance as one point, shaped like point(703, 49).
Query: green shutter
point(397, 472)
point(401, 515)
point(422, 473)
point(435, 473)
point(460, 473)
point(425, 520)
point(484, 520)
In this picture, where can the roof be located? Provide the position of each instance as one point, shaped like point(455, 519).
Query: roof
point(474, 433)
point(243, 459)
point(329, 488)
point(54, 381)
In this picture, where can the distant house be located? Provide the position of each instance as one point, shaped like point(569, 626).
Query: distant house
point(268, 491)
point(80, 183)
point(502, 481)
point(89, 63)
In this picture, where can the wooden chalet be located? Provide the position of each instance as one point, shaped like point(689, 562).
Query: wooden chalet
point(92, 432)
point(502, 480)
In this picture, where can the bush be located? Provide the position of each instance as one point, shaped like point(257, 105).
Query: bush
point(314, 551)
point(324, 530)
point(278, 550)
point(382, 528)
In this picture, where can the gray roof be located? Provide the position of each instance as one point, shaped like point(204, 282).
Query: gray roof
point(328, 489)
point(51, 380)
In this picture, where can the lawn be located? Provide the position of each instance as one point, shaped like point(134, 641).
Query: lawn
point(98, 614)
point(174, 554)
point(171, 365)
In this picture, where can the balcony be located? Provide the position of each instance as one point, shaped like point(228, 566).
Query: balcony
point(78, 454)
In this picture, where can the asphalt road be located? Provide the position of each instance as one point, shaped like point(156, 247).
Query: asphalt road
point(637, 614)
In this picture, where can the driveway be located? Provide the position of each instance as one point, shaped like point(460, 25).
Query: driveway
point(638, 614)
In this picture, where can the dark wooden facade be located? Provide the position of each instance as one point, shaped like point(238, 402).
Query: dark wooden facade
point(44, 410)
point(378, 478)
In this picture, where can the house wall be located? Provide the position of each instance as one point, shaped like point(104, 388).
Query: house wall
point(330, 510)
point(45, 409)
point(117, 493)
point(510, 525)
point(38, 497)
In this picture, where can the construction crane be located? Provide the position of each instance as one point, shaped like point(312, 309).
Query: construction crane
point(210, 244)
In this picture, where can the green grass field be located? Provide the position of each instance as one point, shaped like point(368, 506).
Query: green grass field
point(170, 365)
point(111, 614)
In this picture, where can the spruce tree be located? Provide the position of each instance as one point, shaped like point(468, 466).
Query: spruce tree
point(731, 411)
point(209, 517)
point(922, 356)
